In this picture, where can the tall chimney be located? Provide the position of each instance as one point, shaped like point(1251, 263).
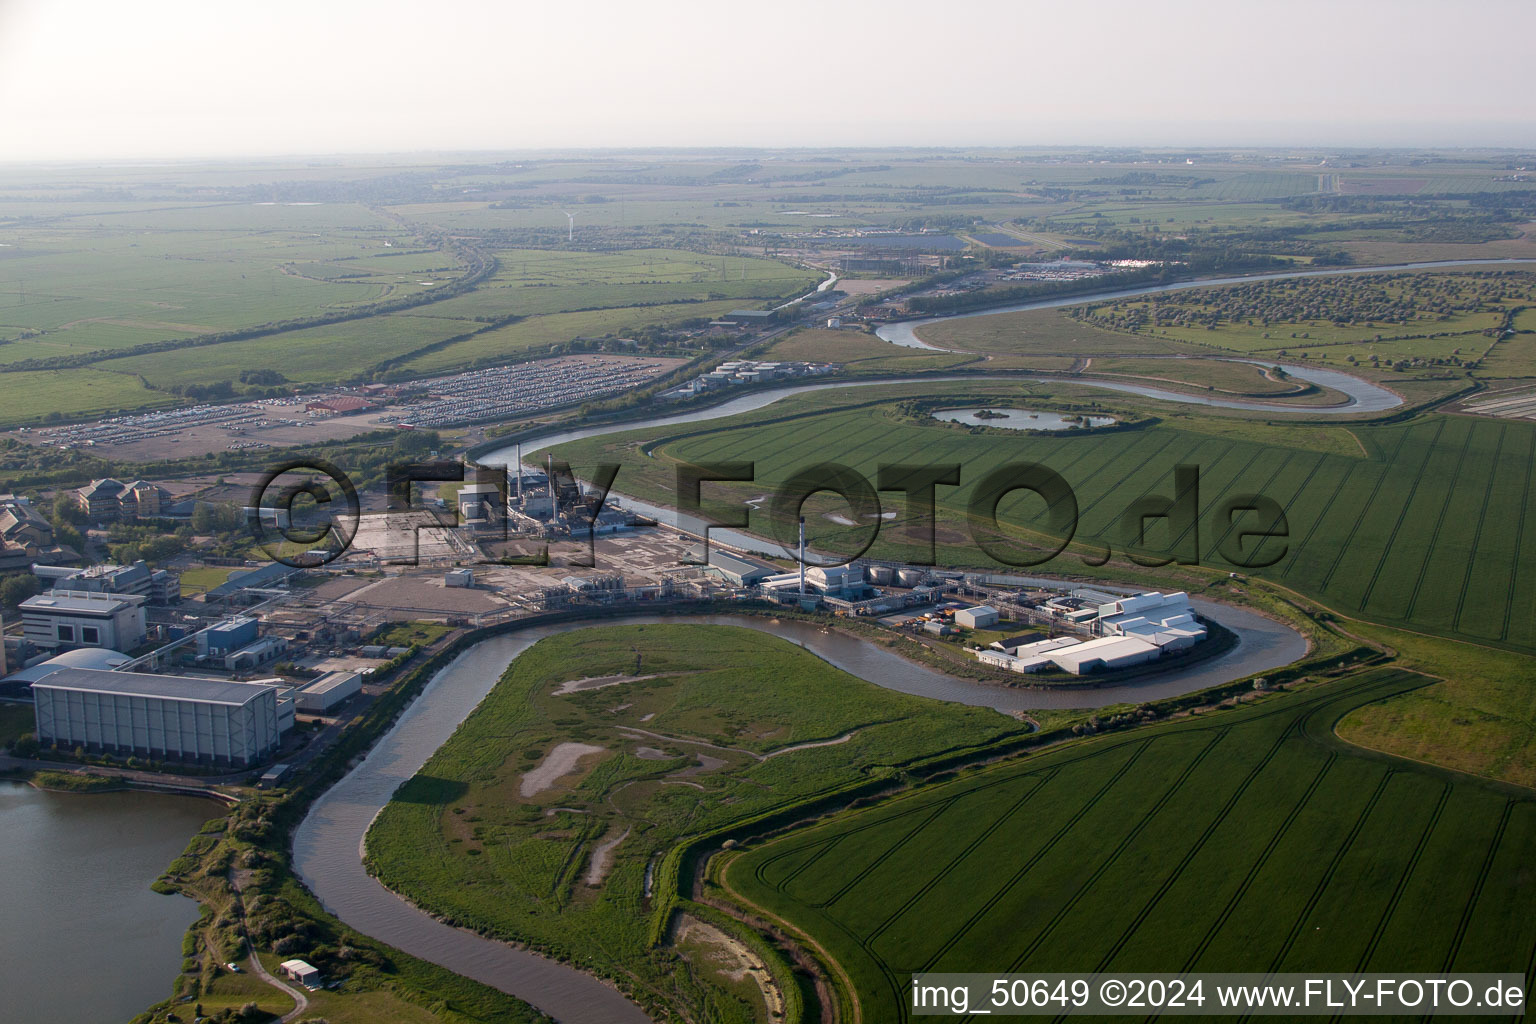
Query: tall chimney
point(802, 556)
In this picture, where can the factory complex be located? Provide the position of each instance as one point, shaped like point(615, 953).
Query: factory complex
point(1123, 632)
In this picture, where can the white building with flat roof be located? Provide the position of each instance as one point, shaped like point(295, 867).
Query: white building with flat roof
point(979, 617)
point(176, 718)
point(328, 691)
point(1165, 620)
point(1104, 654)
point(77, 618)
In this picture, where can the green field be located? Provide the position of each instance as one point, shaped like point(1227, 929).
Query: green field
point(540, 332)
point(1244, 840)
point(858, 352)
point(90, 283)
point(33, 394)
point(697, 731)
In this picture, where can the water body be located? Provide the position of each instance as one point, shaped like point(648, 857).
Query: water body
point(329, 844)
point(83, 940)
point(1019, 419)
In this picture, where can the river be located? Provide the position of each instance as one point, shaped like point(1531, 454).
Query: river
point(83, 939)
point(328, 846)
point(904, 333)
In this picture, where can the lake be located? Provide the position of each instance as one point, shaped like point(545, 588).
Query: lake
point(83, 940)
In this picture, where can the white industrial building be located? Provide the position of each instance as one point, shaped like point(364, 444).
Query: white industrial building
point(828, 581)
point(328, 691)
point(459, 578)
point(1134, 630)
point(1104, 654)
point(205, 721)
point(980, 617)
point(77, 618)
point(1030, 657)
point(1164, 620)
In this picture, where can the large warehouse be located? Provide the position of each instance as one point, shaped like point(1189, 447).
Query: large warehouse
point(205, 721)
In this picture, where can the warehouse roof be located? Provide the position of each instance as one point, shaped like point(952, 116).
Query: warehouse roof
point(272, 572)
point(143, 684)
point(72, 602)
point(329, 682)
point(84, 657)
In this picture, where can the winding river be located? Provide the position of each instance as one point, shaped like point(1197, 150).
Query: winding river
point(328, 846)
point(904, 333)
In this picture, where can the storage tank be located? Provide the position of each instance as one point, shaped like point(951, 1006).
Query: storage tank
point(881, 575)
point(909, 577)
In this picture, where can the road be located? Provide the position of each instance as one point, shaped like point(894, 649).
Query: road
point(300, 999)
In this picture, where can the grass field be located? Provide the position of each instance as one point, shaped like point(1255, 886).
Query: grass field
point(698, 729)
point(858, 352)
point(1424, 531)
point(31, 394)
point(1243, 840)
point(1479, 717)
point(540, 332)
point(1219, 376)
point(90, 281)
point(204, 577)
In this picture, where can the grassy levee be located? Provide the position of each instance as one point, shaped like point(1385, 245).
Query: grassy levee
point(1244, 839)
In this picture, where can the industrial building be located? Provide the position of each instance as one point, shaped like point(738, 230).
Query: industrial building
point(78, 618)
point(205, 721)
point(480, 503)
point(328, 691)
point(1104, 654)
point(742, 570)
point(266, 577)
point(338, 405)
point(1164, 620)
point(1132, 631)
point(980, 617)
point(1026, 657)
point(231, 634)
point(459, 578)
point(159, 586)
point(83, 657)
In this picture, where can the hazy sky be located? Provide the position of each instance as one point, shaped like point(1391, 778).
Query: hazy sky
point(213, 78)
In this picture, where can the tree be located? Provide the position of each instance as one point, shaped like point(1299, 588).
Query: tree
point(26, 745)
point(67, 510)
point(17, 588)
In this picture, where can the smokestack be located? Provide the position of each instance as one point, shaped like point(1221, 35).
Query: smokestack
point(549, 473)
point(519, 476)
point(802, 556)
